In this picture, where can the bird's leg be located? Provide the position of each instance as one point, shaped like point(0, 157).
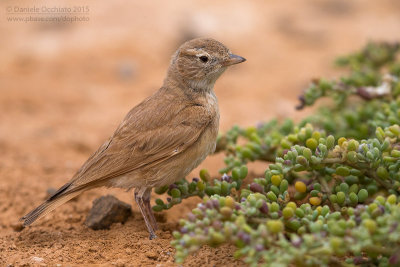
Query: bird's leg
point(140, 200)
point(146, 200)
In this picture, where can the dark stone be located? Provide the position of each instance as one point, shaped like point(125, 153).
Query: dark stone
point(107, 210)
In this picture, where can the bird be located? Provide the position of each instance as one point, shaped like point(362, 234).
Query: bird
point(162, 139)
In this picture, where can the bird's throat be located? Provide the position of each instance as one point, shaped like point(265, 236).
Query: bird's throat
point(201, 85)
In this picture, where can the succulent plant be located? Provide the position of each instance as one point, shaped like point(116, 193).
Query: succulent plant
point(330, 195)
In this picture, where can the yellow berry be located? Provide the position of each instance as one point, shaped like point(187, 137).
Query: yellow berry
point(315, 201)
point(276, 180)
point(353, 145)
point(292, 205)
point(275, 226)
point(341, 140)
point(229, 202)
point(300, 187)
point(319, 209)
point(287, 212)
point(311, 143)
point(226, 212)
point(392, 199)
point(370, 225)
point(373, 206)
point(316, 135)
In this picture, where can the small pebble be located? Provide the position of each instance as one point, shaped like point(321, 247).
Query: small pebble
point(37, 259)
point(107, 210)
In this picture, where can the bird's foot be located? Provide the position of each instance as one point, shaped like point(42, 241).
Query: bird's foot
point(152, 236)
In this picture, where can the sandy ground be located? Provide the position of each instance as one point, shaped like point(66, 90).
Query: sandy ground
point(65, 87)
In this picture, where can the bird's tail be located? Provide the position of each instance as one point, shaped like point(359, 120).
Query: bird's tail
point(57, 199)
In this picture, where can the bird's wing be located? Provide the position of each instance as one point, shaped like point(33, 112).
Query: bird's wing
point(134, 145)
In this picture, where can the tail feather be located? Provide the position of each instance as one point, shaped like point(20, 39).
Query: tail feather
point(61, 190)
point(49, 205)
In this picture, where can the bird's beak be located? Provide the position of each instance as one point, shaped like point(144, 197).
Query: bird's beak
point(233, 59)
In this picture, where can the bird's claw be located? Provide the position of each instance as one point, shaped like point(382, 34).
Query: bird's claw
point(152, 236)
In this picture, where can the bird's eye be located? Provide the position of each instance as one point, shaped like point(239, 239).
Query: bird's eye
point(204, 59)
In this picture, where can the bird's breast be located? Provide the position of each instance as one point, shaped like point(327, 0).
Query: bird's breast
point(212, 106)
point(207, 142)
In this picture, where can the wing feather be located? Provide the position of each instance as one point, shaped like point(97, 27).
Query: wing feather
point(139, 144)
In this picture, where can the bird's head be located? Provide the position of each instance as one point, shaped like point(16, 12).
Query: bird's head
point(199, 62)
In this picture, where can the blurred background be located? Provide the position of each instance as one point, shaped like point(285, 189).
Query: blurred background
point(65, 86)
